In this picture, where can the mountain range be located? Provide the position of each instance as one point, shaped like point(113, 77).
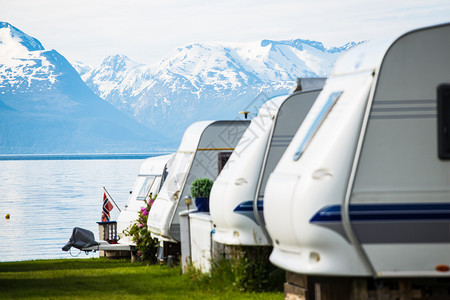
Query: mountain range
point(45, 107)
point(206, 80)
point(48, 105)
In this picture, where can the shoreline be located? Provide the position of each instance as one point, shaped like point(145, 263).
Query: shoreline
point(88, 156)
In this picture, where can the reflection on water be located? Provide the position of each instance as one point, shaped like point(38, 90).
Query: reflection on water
point(48, 198)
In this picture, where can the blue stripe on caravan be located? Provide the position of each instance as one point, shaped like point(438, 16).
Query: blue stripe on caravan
point(330, 213)
point(248, 206)
point(385, 212)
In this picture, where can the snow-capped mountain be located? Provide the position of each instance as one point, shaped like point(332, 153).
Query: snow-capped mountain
point(48, 106)
point(82, 68)
point(45, 107)
point(207, 80)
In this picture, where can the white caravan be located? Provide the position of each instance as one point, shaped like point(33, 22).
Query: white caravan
point(363, 189)
point(151, 176)
point(236, 202)
point(203, 152)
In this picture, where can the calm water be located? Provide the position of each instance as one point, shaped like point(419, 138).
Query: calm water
point(48, 198)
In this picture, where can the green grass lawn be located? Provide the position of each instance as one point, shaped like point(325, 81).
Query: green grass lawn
point(98, 278)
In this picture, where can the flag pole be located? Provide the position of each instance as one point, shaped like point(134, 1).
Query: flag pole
point(112, 199)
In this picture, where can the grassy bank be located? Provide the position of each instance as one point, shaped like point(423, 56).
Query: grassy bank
point(98, 278)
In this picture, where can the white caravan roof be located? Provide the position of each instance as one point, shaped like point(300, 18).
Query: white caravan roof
point(154, 165)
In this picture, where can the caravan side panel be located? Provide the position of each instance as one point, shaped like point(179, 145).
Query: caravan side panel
point(401, 192)
point(216, 138)
point(163, 208)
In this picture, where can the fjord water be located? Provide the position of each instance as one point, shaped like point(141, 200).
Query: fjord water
point(47, 198)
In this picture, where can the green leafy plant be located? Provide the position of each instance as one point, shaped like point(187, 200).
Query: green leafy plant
point(243, 269)
point(138, 231)
point(201, 188)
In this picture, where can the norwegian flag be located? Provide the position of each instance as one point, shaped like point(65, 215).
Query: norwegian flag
point(106, 208)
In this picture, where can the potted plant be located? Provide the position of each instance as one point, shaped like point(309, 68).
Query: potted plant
point(200, 190)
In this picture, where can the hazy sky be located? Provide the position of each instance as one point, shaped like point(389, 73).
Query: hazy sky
point(146, 30)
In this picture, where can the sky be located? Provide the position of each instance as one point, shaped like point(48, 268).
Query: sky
point(147, 30)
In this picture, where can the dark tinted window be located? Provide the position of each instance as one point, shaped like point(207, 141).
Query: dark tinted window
point(223, 158)
point(443, 107)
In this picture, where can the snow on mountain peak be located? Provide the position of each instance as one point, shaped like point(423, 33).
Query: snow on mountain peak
point(25, 66)
point(45, 107)
point(116, 74)
point(11, 35)
point(216, 65)
point(118, 63)
point(83, 69)
point(344, 47)
point(297, 43)
point(228, 65)
point(210, 80)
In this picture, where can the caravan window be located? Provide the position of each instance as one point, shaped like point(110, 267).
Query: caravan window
point(323, 112)
point(146, 186)
point(179, 171)
point(156, 186)
point(443, 107)
point(222, 160)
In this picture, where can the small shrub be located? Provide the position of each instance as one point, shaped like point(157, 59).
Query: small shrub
point(244, 269)
point(138, 231)
point(201, 188)
point(260, 274)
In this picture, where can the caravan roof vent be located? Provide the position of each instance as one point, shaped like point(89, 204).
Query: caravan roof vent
point(308, 84)
point(298, 86)
point(245, 113)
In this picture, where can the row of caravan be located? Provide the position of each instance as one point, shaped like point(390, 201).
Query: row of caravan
point(347, 176)
point(364, 187)
point(238, 156)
